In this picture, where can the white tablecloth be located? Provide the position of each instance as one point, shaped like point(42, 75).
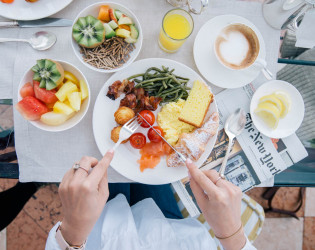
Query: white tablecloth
point(44, 156)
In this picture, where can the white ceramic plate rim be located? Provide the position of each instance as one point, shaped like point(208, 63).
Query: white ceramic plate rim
point(220, 75)
point(291, 122)
point(20, 14)
point(101, 129)
point(62, 127)
point(133, 55)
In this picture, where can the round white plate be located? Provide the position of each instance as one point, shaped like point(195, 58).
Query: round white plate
point(93, 10)
point(125, 159)
point(22, 10)
point(291, 122)
point(207, 63)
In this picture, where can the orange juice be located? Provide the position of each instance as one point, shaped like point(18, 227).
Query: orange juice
point(176, 29)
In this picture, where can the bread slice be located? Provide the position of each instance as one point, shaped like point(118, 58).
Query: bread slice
point(197, 104)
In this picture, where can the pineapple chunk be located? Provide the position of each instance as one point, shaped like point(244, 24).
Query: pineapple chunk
point(75, 100)
point(84, 89)
point(67, 88)
point(67, 102)
point(60, 107)
point(70, 77)
point(54, 119)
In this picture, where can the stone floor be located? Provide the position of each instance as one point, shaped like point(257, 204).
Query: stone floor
point(43, 210)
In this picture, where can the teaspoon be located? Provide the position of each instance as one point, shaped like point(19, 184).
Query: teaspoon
point(41, 40)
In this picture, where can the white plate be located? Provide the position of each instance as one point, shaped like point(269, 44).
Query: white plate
point(28, 77)
point(207, 63)
point(93, 10)
point(125, 159)
point(291, 122)
point(22, 10)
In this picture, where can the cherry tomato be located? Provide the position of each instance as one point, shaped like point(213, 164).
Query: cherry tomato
point(7, 1)
point(138, 140)
point(153, 136)
point(148, 116)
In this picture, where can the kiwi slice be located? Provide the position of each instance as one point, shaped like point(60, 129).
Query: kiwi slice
point(49, 73)
point(88, 32)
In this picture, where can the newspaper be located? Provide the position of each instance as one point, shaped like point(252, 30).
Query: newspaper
point(254, 160)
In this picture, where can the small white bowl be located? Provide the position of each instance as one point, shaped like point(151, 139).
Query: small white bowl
point(93, 10)
point(291, 122)
point(28, 77)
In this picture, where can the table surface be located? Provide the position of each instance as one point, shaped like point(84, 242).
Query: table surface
point(39, 165)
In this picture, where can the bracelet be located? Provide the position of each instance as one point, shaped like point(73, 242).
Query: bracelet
point(223, 238)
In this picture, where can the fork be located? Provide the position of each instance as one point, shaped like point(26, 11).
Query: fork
point(127, 130)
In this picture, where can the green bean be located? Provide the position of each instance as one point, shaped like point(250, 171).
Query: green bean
point(180, 77)
point(164, 84)
point(154, 80)
point(134, 76)
point(170, 92)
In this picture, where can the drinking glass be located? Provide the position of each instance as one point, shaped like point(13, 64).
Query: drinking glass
point(177, 26)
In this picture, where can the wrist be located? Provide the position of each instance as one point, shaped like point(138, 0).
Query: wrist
point(235, 242)
point(71, 234)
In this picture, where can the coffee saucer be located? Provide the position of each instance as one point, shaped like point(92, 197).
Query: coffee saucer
point(207, 63)
point(291, 122)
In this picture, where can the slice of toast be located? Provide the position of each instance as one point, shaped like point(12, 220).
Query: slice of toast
point(197, 105)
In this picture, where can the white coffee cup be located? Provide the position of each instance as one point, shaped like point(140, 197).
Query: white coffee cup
point(237, 47)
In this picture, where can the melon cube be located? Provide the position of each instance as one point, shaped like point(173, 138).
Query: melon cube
point(67, 88)
point(75, 100)
point(53, 118)
point(84, 89)
point(60, 107)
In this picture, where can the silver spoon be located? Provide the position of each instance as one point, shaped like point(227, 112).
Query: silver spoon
point(41, 40)
point(233, 127)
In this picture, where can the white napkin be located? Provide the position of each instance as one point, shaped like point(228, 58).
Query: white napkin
point(305, 35)
point(45, 156)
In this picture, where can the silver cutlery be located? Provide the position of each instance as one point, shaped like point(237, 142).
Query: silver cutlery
point(233, 127)
point(182, 157)
point(41, 40)
point(45, 22)
point(127, 130)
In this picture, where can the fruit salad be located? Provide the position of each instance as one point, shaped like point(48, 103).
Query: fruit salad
point(54, 95)
point(89, 31)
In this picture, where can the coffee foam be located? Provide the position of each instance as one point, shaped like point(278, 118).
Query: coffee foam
point(237, 46)
point(234, 48)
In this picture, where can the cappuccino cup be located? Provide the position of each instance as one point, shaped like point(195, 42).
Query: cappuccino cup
point(237, 47)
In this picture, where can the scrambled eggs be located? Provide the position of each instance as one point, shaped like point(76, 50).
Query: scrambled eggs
point(168, 121)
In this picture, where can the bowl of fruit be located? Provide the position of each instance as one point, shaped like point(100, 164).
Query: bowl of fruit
point(106, 37)
point(53, 95)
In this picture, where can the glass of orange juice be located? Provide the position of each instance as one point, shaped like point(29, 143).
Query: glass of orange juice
point(177, 25)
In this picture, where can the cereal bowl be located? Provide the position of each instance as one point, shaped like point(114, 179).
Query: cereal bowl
point(93, 10)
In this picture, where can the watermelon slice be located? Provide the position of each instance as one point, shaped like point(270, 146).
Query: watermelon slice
point(46, 96)
point(27, 90)
point(31, 108)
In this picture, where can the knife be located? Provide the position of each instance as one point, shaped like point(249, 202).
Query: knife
point(45, 22)
point(183, 158)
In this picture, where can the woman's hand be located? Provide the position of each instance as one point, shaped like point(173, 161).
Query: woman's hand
point(83, 195)
point(220, 203)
